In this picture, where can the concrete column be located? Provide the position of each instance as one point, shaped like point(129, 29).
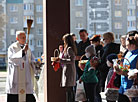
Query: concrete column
point(56, 24)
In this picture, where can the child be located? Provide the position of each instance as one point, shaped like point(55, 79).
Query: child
point(89, 75)
point(112, 90)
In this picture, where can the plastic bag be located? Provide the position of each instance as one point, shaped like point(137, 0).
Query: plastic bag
point(80, 92)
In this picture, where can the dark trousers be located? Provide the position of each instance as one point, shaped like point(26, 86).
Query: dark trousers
point(103, 76)
point(123, 98)
point(90, 90)
point(98, 90)
point(70, 94)
point(14, 98)
point(78, 70)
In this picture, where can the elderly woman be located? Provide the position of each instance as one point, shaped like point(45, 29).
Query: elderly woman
point(123, 48)
point(132, 56)
point(109, 47)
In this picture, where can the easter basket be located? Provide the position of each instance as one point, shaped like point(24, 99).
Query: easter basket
point(55, 58)
point(82, 63)
point(124, 68)
point(56, 65)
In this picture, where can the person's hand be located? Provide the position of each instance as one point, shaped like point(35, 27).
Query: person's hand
point(117, 70)
point(26, 47)
point(134, 76)
point(80, 80)
point(57, 60)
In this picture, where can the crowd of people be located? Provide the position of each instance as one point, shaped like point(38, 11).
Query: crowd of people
point(102, 72)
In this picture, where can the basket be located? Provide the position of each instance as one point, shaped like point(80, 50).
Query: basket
point(124, 68)
point(55, 58)
point(82, 63)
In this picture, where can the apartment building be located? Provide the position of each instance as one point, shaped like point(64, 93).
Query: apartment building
point(2, 30)
point(18, 11)
point(100, 16)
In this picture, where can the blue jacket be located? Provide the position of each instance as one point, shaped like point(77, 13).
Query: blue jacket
point(132, 56)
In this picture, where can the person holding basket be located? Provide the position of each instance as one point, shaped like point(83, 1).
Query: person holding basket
point(89, 75)
point(68, 67)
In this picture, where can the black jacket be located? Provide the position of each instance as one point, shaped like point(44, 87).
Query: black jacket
point(108, 49)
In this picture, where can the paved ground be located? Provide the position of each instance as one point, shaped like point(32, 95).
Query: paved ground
point(3, 95)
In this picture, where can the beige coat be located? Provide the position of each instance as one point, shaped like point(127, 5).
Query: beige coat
point(69, 69)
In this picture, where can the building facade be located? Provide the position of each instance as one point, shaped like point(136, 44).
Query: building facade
point(2, 30)
point(18, 11)
point(100, 16)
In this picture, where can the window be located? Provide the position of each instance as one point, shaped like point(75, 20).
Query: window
point(13, 8)
point(131, 23)
point(39, 31)
point(131, 1)
point(13, 20)
point(137, 14)
point(116, 36)
point(99, 26)
point(79, 2)
point(31, 42)
point(118, 14)
point(39, 8)
point(131, 12)
point(39, 43)
point(117, 2)
point(28, 7)
point(79, 14)
point(99, 15)
point(99, 3)
point(39, 20)
point(12, 32)
point(137, 26)
point(120, 36)
point(38, 54)
point(118, 25)
point(79, 26)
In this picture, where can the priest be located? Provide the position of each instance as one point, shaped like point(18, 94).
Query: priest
point(19, 85)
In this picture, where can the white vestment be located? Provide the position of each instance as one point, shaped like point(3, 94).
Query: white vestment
point(15, 60)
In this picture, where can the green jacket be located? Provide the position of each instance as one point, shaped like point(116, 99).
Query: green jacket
point(89, 76)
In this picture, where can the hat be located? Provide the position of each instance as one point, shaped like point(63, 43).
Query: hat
point(95, 38)
point(19, 32)
point(91, 49)
point(111, 57)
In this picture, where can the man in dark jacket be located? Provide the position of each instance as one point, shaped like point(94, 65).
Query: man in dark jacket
point(81, 48)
